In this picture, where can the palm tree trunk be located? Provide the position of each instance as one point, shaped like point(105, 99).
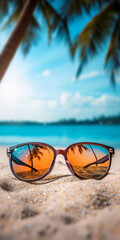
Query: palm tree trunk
point(31, 158)
point(16, 37)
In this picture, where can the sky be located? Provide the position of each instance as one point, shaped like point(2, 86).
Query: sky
point(42, 86)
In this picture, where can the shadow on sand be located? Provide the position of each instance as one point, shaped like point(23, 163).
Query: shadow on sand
point(46, 180)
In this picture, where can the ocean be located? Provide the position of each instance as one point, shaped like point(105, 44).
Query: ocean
point(60, 135)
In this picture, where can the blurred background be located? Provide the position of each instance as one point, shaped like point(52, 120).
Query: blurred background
point(59, 71)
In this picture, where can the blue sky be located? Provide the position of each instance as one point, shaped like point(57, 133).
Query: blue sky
point(42, 86)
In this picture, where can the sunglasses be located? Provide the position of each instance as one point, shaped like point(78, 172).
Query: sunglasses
point(86, 160)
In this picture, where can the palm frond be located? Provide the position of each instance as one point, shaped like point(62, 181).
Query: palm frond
point(93, 36)
point(13, 18)
point(31, 36)
point(55, 21)
point(47, 15)
point(71, 8)
point(112, 60)
point(7, 6)
point(4, 8)
point(28, 40)
point(72, 149)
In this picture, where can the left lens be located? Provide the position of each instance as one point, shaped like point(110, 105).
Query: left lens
point(31, 161)
point(88, 160)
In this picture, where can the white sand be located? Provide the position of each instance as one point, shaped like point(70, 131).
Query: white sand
point(60, 206)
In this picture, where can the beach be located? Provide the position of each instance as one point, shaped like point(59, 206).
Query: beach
point(59, 120)
point(60, 206)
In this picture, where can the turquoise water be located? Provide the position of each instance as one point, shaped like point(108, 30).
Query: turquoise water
point(60, 135)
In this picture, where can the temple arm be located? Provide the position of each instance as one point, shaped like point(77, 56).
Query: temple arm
point(19, 162)
point(101, 160)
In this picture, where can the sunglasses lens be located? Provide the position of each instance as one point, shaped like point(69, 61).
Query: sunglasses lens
point(30, 162)
point(88, 160)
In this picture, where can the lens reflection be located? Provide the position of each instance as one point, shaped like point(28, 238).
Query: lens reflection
point(31, 161)
point(88, 160)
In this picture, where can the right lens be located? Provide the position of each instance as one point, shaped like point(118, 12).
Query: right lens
point(88, 160)
point(31, 161)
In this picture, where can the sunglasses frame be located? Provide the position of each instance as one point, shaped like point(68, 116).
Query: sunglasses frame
point(111, 152)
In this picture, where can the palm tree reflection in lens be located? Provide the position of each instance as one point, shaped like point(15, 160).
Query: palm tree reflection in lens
point(88, 160)
point(31, 161)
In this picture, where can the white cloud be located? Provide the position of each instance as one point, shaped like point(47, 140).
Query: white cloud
point(46, 73)
point(64, 98)
point(77, 96)
point(106, 101)
point(37, 105)
point(80, 100)
point(52, 104)
point(80, 106)
point(89, 75)
point(101, 100)
point(20, 101)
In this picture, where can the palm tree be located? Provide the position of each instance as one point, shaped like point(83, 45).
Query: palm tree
point(105, 25)
point(30, 158)
point(27, 24)
point(35, 152)
point(57, 19)
point(81, 148)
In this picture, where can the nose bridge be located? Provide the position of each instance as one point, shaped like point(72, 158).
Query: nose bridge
point(60, 151)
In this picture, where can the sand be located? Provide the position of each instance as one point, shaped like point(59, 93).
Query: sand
point(61, 206)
